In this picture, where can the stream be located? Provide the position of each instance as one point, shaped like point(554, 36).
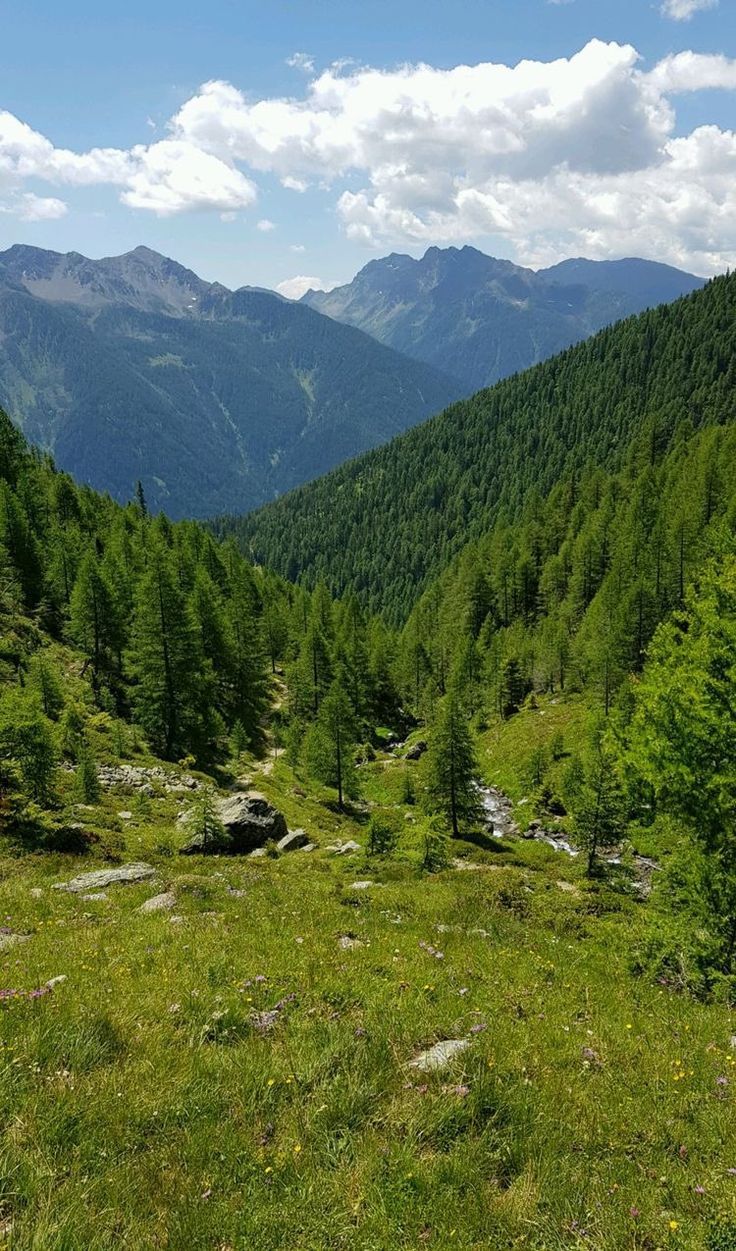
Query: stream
point(498, 811)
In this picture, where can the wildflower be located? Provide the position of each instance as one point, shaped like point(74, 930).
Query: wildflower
point(699, 1190)
point(478, 1028)
point(634, 1213)
point(674, 1225)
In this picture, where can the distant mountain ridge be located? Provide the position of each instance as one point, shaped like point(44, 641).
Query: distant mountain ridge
point(133, 367)
point(483, 319)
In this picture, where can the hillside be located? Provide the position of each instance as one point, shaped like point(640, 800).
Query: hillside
point(482, 319)
point(291, 1028)
point(386, 523)
point(354, 1039)
point(132, 368)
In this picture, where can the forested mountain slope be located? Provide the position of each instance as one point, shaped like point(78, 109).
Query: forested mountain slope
point(570, 594)
point(388, 521)
point(132, 368)
point(482, 319)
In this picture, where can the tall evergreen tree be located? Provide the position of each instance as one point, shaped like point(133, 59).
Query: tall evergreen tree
point(682, 739)
point(94, 621)
point(246, 672)
point(330, 744)
point(20, 546)
point(452, 767)
point(173, 692)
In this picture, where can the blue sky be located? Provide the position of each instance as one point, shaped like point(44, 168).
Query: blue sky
point(307, 166)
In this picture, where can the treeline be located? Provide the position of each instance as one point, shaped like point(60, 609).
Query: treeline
point(386, 524)
point(569, 596)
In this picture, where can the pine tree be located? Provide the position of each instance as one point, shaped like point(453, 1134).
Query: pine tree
point(596, 801)
point(94, 622)
point(330, 744)
point(682, 738)
point(19, 545)
point(311, 675)
point(204, 822)
point(173, 684)
point(140, 499)
point(88, 783)
point(451, 766)
point(45, 684)
point(248, 689)
point(513, 687)
point(26, 738)
point(71, 732)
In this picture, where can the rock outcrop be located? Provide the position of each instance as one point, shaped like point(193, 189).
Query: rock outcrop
point(249, 822)
point(100, 878)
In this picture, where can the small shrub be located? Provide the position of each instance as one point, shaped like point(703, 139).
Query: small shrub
point(382, 836)
point(204, 821)
point(436, 846)
point(87, 782)
point(239, 738)
point(557, 746)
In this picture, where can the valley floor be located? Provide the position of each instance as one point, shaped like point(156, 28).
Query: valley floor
point(234, 1070)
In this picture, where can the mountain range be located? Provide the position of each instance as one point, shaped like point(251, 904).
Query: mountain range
point(133, 368)
point(482, 319)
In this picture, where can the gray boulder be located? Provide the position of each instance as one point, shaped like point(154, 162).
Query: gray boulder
point(440, 1055)
point(293, 841)
point(159, 903)
point(416, 750)
point(136, 872)
point(249, 821)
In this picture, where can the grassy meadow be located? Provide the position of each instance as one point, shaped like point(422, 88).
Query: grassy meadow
point(235, 1073)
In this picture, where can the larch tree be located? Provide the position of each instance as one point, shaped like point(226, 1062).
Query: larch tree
point(173, 689)
point(94, 618)
point(683, 736)
point(329, 747)
point(452, 767)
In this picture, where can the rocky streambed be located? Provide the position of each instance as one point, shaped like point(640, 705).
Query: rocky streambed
point(498, 812)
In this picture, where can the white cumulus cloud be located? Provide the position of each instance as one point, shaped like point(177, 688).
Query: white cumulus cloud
point(683, 10)
point(294, 288)
point(302, 61)
point(543, 158)
point(37, 208)
point(264, 225)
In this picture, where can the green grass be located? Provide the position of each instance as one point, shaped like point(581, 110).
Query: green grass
point(140, 1106)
